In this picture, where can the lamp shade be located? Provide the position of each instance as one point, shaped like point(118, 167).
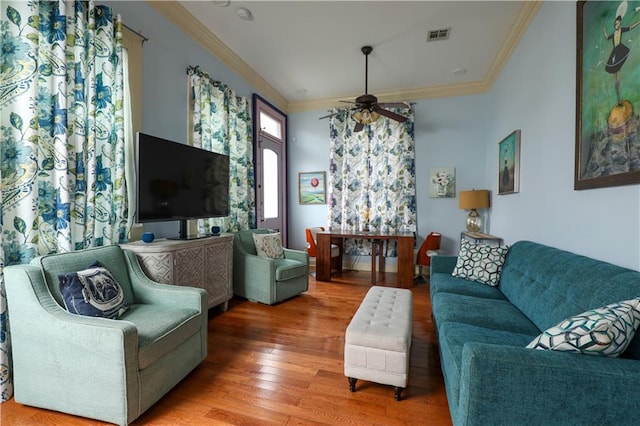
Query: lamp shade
point(474, 199)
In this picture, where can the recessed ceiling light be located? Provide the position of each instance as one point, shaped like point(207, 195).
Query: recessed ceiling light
point(459, 71)
point(245, 14)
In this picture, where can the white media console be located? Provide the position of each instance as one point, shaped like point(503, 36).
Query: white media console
point(205, 262)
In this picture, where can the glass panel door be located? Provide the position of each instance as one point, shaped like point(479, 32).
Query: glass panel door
point(270, 186)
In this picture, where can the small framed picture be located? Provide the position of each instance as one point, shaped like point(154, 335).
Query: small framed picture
point(312, 188)
point(442, 182)
point(509, 164)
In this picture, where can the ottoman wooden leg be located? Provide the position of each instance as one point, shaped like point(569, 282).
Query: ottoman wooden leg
point(398, 393)
point(352, 384)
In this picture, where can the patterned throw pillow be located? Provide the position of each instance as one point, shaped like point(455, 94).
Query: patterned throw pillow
point(93, 292)
point(269, 245)
point(605, 331)
point(480, 262)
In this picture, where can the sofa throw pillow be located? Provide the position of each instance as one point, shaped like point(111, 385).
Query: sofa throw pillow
point(93, 292)
point(480, 262)
point(269, 245)
point(605, 331)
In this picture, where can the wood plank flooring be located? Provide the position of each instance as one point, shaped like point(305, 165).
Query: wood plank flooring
point(283, 365)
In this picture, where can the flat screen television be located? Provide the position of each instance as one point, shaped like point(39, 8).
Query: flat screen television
point(179, 182)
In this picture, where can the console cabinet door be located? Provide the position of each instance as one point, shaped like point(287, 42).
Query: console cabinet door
point(189, 266)
point(157, 266)
point(218, 269)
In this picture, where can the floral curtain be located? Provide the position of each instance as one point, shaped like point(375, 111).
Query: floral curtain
point(372, 182)
point(221, 122)
point(62, 174)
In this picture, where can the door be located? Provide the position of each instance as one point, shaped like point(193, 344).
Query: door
point(271, 183)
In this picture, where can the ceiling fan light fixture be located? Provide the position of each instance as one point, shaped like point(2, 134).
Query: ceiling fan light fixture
point(365, 116)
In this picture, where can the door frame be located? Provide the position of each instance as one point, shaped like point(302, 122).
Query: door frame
point(261, 104)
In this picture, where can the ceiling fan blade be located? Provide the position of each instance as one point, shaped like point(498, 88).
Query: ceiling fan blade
point(358, 127)
point(390, 114)
point(329, 115)
point(348, 102)
point(394, 105)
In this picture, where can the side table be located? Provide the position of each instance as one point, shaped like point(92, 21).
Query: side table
point(478, 237)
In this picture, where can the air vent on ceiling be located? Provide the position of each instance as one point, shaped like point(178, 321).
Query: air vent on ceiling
point(436, 35)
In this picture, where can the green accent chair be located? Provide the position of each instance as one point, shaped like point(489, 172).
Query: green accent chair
point(107, 369)
point(266, 280)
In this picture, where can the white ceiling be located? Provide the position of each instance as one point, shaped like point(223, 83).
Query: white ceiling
point(309, 51)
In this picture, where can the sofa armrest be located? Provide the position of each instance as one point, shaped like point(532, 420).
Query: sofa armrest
point(251, 267)
point(52, 346)
point(299, 255)
point(442, 264)
point(505, 385)
point(151, 292)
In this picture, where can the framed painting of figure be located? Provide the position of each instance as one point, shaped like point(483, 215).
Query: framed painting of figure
point(608, 94)
point(509, 164)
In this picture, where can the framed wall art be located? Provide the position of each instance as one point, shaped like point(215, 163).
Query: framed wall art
point(509, 164)
point(442, 182)
point(312, 188)
point(608, 94)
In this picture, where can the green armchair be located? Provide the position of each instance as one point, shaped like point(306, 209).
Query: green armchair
point(107, 369)
point(264, 279)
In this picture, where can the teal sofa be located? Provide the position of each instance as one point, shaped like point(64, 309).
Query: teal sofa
point(107, 369)
point(491, 378)
point(263, 279)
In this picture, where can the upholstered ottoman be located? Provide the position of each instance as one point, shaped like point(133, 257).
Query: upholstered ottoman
point(378, 339)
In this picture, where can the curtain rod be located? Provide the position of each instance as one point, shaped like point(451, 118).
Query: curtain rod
point(138, 33)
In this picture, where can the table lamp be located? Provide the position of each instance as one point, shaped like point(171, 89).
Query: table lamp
point(473, 200)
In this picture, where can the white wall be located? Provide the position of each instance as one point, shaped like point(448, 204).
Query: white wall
point(536, 93)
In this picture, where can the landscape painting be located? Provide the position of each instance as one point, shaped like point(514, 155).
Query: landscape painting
point(312, 188)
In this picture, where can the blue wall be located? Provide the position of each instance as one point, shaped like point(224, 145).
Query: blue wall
point(449, 132)
point(165, 88)
point(534, 93)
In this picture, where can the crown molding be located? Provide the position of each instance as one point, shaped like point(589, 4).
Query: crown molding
point(398, 96)
point(523, 19)
point(177, 14)
point(184, 20)
point(521, 23)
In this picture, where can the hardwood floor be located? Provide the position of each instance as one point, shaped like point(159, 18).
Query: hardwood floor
point(283, 364)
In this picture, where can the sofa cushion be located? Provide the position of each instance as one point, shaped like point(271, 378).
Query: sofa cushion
point(452, 338)
point(287, 269)
point(160, 329)
point(549, 285)
point(445, 283)
point(605, 331)
point(269, 245)
point(92, 292)
point(487, 313)
point(480, 262)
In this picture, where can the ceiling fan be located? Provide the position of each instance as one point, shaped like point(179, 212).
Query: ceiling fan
point(367, 109)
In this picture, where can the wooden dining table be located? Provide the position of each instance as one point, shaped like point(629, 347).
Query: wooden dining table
point(406, 244)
